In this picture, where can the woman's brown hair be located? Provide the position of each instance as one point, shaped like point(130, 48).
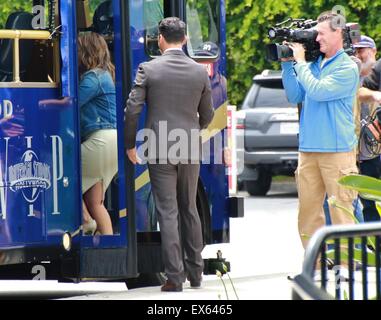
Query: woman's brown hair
point(93, 53)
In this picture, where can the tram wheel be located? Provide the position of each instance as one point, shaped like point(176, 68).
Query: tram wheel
point(146, 280)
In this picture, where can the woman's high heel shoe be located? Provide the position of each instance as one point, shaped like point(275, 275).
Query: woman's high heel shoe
point(89, 228)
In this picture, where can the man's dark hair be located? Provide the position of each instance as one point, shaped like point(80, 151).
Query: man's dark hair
point(172, 29)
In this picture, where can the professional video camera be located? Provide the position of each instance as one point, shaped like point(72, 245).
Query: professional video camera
point(303, 31)
point(370, 134)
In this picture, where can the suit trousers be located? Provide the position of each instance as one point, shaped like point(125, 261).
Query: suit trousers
point(316, 176)
point(174, 189)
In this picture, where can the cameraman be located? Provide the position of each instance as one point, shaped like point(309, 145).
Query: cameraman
point(327, 88)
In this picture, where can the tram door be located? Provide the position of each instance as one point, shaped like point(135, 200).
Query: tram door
point(98, 16)
point(206, 45)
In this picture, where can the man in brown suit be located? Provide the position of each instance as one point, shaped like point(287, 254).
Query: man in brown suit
point(178, 96)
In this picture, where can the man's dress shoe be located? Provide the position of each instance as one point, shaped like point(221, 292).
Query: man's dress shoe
point(195, 284)
point(171, 287)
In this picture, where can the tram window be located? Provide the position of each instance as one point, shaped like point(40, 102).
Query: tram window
point(203, 19)
point(97, 16)
point(83, 14)
point(94, 4)
point(86, 10)
point(38, 58)
point(153, 14)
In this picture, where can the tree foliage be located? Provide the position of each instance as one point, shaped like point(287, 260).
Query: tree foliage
point(248, 22)
point(7, 7)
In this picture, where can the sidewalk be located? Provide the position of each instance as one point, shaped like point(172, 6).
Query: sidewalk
point(269, 287)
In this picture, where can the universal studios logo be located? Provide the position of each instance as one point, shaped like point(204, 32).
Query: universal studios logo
point(30, 176)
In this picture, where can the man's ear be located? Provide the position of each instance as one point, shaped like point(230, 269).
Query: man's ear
point(185, 40)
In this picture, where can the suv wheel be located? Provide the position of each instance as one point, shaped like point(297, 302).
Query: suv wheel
point(261, 186)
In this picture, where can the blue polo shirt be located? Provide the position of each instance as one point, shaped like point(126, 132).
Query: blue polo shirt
point(327, 91)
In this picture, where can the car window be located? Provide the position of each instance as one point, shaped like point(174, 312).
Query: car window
point(249, 99)
point(271, 97)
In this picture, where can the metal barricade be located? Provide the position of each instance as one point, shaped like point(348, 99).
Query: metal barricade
point(341, 262)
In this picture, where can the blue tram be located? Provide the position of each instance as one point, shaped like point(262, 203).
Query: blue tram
point(40, 165)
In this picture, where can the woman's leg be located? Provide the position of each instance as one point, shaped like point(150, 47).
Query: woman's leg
point(89, 225)
point(85, 212)
point(94, 202)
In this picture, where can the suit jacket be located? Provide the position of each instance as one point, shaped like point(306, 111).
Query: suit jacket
point(177, 92)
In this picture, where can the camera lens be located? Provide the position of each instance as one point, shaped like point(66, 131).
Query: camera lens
point(272, 33)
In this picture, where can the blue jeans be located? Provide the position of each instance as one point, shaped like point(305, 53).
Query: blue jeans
point(357, 210)
point(371, 168)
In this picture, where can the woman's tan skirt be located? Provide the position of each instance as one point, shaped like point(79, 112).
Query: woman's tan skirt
point(99, 159)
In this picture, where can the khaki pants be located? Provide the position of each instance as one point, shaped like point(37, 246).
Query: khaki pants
point(316, 175)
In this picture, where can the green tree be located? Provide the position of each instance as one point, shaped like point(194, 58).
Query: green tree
point(248, 22)
point(7, 7)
